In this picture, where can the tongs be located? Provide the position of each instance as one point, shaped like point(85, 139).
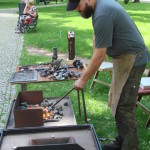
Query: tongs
point(61, 98)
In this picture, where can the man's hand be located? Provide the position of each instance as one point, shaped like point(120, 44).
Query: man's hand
point(93, 66)
point(79, 84)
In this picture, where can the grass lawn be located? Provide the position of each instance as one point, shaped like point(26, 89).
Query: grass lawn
point(52, 29)
point(14, 3)
point(53, 26)
point(9, 3)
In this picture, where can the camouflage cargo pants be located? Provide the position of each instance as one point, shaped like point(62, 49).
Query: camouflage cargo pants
point(126, 110)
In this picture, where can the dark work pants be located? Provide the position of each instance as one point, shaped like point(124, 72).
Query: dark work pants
point(126, 122)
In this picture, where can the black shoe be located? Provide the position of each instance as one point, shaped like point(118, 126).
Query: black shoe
point(111, 147)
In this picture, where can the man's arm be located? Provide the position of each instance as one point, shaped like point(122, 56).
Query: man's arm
point(97, 59)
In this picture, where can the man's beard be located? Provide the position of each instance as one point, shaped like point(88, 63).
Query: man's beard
point(87, 12)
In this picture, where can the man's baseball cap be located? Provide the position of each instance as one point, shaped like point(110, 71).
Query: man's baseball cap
point(72, 4)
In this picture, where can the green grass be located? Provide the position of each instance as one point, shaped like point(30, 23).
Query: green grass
point(14, 3)
point(52, 31)
point(53, 26)
point(140, 12)
point(9, 3)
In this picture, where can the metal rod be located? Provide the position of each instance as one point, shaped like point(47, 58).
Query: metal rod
point(84, 107)
point(61, 98)
point(79, 103)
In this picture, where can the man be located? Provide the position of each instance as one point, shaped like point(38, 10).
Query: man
point(116, 35)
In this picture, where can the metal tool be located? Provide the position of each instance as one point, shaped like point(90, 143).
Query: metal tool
point(78, 64)
point(61, 98)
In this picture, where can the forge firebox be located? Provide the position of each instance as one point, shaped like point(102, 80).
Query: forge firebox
point(77, 137)
point(34, 117)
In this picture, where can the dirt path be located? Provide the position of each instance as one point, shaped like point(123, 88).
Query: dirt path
point(37, 51)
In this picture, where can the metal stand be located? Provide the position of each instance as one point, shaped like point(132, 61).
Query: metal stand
point(84, 106)
point(79, 103)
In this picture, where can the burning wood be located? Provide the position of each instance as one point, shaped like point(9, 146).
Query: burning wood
point(50, 114)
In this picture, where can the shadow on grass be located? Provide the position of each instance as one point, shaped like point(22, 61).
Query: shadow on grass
point(138, 17)
point(52, 31)
point(54, 24)
point(6, 4)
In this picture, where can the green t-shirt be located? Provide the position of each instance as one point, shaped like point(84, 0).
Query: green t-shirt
point(114, 29)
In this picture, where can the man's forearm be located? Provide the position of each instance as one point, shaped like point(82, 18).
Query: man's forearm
point(94, 64)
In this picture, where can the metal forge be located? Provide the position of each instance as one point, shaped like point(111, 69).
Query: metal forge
point(30, 110)
point(81, 137)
